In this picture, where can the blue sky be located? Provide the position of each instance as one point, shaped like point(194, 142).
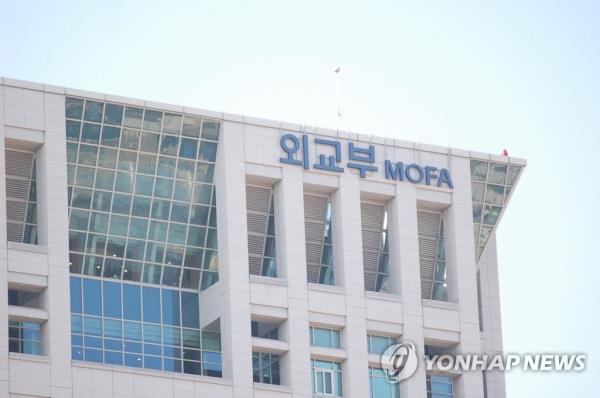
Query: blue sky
point(476, 75)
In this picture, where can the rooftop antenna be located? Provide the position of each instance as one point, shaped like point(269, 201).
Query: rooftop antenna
point(337, 97)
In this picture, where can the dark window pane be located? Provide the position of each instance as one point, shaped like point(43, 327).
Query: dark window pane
point(202, 194)
point(132, 305)
point(138, 228)
point(151, 300)
point(135, 249)
point(171, 276)
point(152, 120)
point(196, 236)
point(161, 209)
point(132, 271)
point(172, 123)
point(76, 241)
point(115, 247)
point(152, 274)
point(211, 240)
point(88, 154)
point(209, 278)
point(180, 212)
point(104, 179)
point(155, 252)
point(92, 266)
point(79, 219)
point(174, 255)
point(208, 151)
point(191, 126)
point(75, 295)
point(188, 148)
point(149, 142)
point(93, 111)
point(110, 136)
point(190, 310)
point(183, 190)
point(177, 233)
point(73, 108)
point(130, 139)
point(190, 279)
point(204, 172)
point(82, 198)
point(168, 145)
point(102, 200)
point(107, 158)
point(166, 167)
point(112, 268)
point(141, 206)
point(121, 203)
point(133, 117)
point(127, 160)
point(92, 302)
point(163, 188)
point(210, 130)
point(199, 215)
point(113, 114)
point(158, 231)
point(73, 129)
point(112, 299)
point(193, 257)
point(99, 222)
point(124, 182)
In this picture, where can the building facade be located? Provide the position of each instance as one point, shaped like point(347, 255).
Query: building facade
point(151, 250)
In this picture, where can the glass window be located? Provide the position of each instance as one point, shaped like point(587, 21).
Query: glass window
point(124, 182)
point(88, 154)
point(265, 368)
point(75, 295)
point(188, 148)
point(161, 209)
point(144, 185)
point(190, 279)
point(73, 108)
point(205, 172)
point(170, 307)
point(132, 271)
point(163, 188)
point(321, 337)
point(149, 142)
point(127, 160)
point(210, 130)
point(151, 304)
point(73, 129)
point(172, 123)
point(92, 303)
point(168, 145)
point(141, 206)
point(82, 198)
point(110, 136)
point(113, 114)
point(171, 275)
point(111, 299)
point(166, 167)
point(378, 344)
point(104, 179)
point(121, 203)
point(135, 249)
point(191, 126)
point(107, 158)
point(208, 151)
point(182, 190)
point(112, 268)
point(130, 139)
point(138, 228)
point(152, 120)
point(439, 387)
point(93, 111)
point(133, 117)
point(379, 385)
point(326, 377)
point(24, 337)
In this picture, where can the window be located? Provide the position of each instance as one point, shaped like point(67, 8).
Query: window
point(491, 184)
point(24, 337)
point(380, 387)
point(261, 231)
point(321, 337)
point(21, 197)
point(432, 255)
point(264, 330)
point(376, 262)
point(439, 387)
point(24, 298)
point(131, 179)
point(378, 344)
point(265, 368)
point(142, 326)
point(326, 378)
point(319, 240)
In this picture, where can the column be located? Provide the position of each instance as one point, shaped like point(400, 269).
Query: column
point(404, 256)
point(233, 259)
point(347, 235)
point(4, 368)
point(291, 258)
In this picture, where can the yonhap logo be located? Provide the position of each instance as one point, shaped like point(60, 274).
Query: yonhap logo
point(399, 361)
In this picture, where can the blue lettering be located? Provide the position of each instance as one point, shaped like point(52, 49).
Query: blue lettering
point(410, 177)
point(429, 174)
point(394, 172)
point(444, 178)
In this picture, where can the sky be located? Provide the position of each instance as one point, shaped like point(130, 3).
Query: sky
point(521, 75)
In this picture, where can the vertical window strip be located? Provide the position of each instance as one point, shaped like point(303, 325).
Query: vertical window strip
point(265, 368)
point(439, 386)
point(21, 196)
point(260, 210)
point(375, 247)
point(318, 236)
point(432, 255)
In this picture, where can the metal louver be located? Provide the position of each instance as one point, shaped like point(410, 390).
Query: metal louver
point(372, 219)
point(315, 219)
point(258, 201)
point(19, 180)
point(429, 229)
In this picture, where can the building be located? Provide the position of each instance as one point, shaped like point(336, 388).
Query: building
point(155, 250)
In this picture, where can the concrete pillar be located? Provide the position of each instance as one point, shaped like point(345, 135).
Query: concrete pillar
point(460, 256)
point(404, 257)
point(347, 236)
point(233, 259)
point(291, 259)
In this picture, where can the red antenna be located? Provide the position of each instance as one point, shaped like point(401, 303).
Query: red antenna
point(504, 152)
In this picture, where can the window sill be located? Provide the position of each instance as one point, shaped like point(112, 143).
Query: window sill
point(268, 280)
point(326, 288)
point(440, 304)
point(28, 247)
point(29, 357)
point(396, 298)
point(272, 387)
